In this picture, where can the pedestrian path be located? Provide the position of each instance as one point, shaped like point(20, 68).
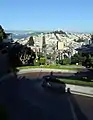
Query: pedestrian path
point(87, 91)
point(44, 70)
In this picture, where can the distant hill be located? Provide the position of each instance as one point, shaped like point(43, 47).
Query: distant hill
point(22, 34)
point(19, 34)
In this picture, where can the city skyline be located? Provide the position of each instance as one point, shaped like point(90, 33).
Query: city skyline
point(39, 15)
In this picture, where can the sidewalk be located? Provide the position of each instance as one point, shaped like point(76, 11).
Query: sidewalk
point(44, 70)
point(87, 91)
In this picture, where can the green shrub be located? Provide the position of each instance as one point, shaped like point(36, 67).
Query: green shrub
point(42, 61)
point(60, 62)
point(66, 61)
point(77, 82)
point(77, 58)
point(36, 62)
point(49, 56)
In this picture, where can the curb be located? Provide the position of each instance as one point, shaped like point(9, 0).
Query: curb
point(81, 93)
point(80, 90)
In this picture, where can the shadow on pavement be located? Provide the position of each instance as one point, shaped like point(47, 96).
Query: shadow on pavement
point(17, 98)
point(3, 112)
point(12, 106)
point(84, 75)
point(80, 115)
point(16, 107)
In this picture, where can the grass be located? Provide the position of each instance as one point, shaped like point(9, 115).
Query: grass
point(77, 82)
point(65, 67)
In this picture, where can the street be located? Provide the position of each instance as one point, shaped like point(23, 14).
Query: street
point(38, 73)
point(85, 104)
point(25, 99)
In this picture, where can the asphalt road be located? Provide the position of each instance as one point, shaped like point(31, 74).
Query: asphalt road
point(84, 105)
point(27, 100)
point(41, 74)
point(61, 74)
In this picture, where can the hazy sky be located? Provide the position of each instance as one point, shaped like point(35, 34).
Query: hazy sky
point(71, 15)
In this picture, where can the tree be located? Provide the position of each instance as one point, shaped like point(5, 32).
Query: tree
point(18, 54)
point(44, 42)
point(49, 56)
point(31, 41)
point(88, 61)
point(75, 40)
point(21, 55)
point(77, 58)
point(92, 38)
point(3, 35)
point(44, 46)
point(80, 40)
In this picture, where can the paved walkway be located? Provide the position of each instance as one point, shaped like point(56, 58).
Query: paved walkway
point(44, 70)
point(88, 91)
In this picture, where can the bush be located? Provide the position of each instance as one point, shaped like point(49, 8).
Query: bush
point(77, 58)
point(49, 56)
point(66, 61)
point(59, 62)
point(88, 62)
point(42, 61)
point(36, 62)
point(77, 82)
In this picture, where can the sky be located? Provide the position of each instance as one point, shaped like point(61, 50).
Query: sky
point(45, 15)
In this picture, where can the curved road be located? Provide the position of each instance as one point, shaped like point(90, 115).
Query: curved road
point(25, 99)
